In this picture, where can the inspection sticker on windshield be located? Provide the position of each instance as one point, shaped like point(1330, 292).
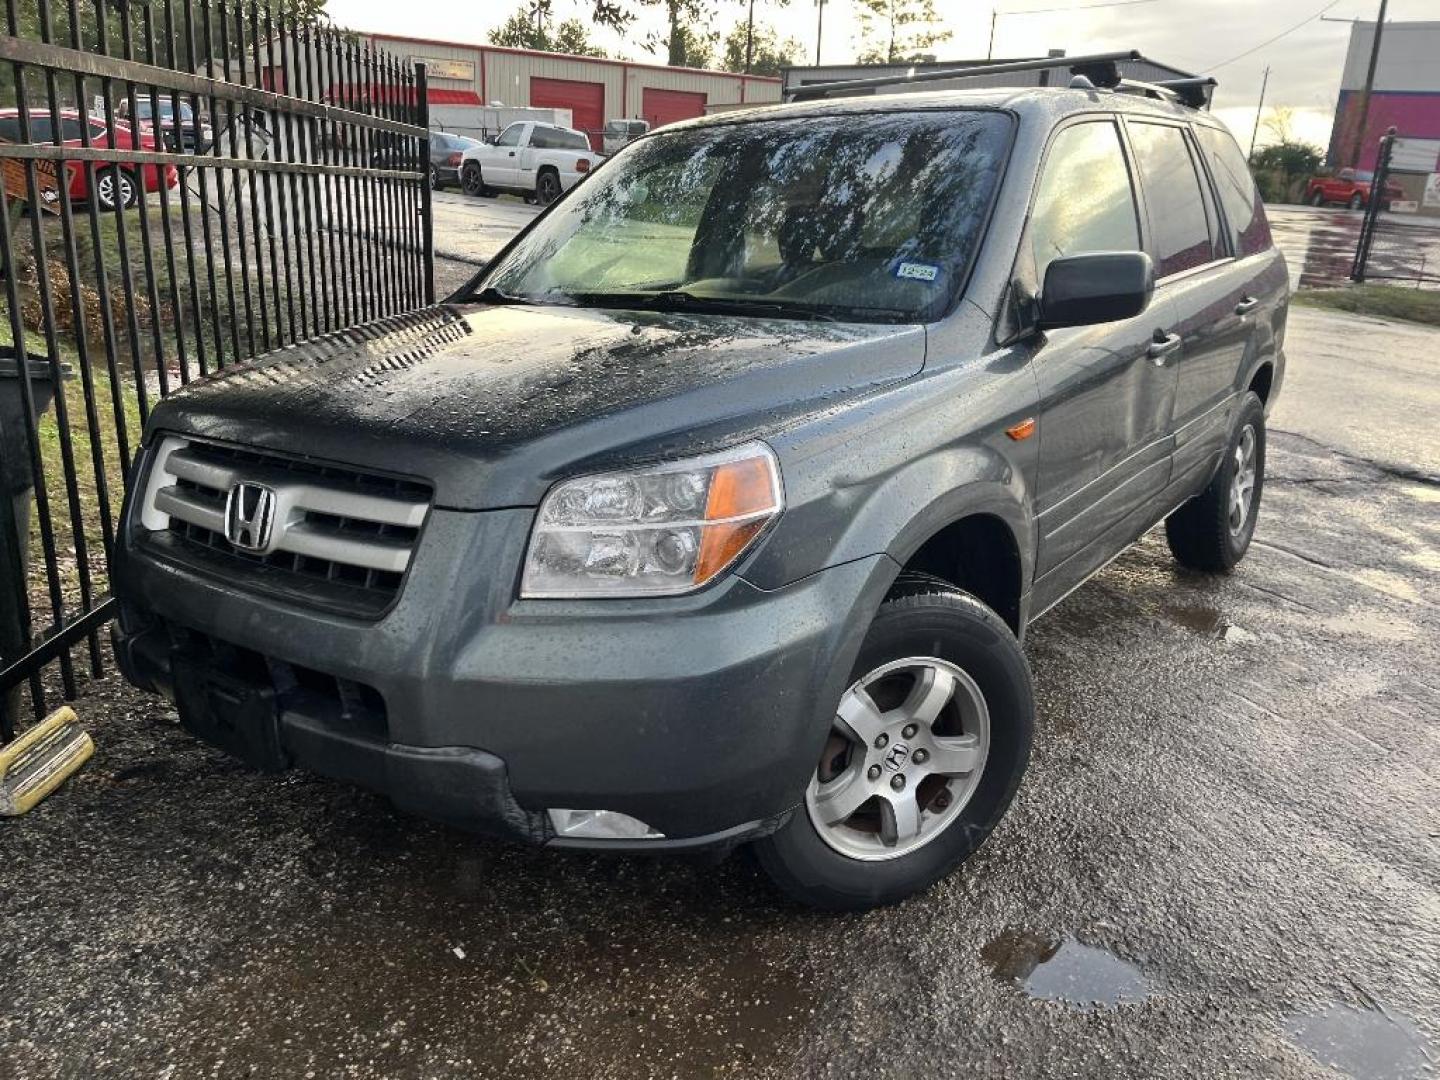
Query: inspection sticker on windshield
point(917, 271)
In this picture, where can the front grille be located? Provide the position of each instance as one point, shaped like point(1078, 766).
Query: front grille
point(337, 538)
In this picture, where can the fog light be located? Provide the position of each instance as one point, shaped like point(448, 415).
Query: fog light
point(601, 825)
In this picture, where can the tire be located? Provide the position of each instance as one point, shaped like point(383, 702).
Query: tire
point(435, 184)
point(1204, 534)
point(866, 860)
point(547, 188)
point(1357, 202)
point(116, 186)
point(1318, 199)
point(472, 181)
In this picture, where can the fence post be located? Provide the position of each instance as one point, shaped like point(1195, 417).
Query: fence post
point(422, 119)
point(1372, 207)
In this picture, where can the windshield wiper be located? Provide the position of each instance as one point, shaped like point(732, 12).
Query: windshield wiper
point(680, 300)
point(492, 295)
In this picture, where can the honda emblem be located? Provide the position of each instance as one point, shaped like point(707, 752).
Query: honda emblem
point(250, 517)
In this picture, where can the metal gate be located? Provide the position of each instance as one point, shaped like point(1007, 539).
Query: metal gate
point(1395, 248)
point(187, 184)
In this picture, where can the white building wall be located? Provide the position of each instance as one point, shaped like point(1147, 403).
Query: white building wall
point(1409, 57)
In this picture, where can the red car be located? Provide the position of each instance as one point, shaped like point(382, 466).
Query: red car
point(114, 183)
point(1347, 189)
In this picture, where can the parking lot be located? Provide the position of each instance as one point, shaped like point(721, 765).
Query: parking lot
point(1224, 861)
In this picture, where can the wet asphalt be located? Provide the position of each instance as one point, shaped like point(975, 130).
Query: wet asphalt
point(1224, 862)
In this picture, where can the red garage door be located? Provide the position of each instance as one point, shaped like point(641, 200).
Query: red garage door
point(667, 106)
point(586, 100)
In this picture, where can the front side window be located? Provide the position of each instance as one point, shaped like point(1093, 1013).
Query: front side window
point(1084, 203)
point(872, 217)
point(1174, 198)
point(1243, 209)
point(510, 136)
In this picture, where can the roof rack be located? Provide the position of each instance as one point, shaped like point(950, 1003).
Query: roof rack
point(1100, 69)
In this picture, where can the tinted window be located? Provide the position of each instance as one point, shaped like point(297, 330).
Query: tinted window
point(1174, 198)
point(549, 138)
point(1084, 202)
point(865, 217)
point(71, 129)
point(1238, 195)
point(10, 128)
point(510, 136)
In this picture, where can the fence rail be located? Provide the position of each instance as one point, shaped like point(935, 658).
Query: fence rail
point(187, 184)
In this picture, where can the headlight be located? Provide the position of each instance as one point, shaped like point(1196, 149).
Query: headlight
point(657, 531)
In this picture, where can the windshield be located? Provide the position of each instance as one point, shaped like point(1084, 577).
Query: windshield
point(871, 217)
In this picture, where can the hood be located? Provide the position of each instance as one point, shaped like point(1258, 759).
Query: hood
point(492, 404)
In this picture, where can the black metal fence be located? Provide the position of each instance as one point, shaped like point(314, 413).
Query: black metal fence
point(187, 184)
point(1394, 248)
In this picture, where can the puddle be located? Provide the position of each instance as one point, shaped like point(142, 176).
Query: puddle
point(1198, 620)
point(1207, 622)
point(1374, 1044)
point(1064, 970)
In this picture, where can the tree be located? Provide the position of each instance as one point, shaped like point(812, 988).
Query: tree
point(899, 31)
point(770, 52)
point(1282, 169)
point(528, 28)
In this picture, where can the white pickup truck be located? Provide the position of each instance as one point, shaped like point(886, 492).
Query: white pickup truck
point(532, 159)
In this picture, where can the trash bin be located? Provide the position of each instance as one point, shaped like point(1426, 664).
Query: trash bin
point(16, 482)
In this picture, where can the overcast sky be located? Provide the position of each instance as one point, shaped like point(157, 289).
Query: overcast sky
point(1200, 35)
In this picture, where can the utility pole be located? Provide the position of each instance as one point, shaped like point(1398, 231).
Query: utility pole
point(1259, 110)
point(1358, 144)
point(990, 52)
point(750, 39)
point(819, 29)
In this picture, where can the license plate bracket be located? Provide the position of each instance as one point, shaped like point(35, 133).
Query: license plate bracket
point(238, 715)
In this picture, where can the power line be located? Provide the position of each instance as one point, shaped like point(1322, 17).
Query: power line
point(1271, 41)
point(1076, 7)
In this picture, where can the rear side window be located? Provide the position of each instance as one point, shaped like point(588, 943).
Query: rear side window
point(1084, 202)
point(1174, 198)
point(1238, 195)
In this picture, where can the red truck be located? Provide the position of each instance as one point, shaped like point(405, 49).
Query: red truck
point(1347, 189)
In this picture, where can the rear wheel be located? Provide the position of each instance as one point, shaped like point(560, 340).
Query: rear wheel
point(1317, 199)
point(1212, 531)
point(115, 187)
point(925, 753)
point(435, 184)
point(547, 188)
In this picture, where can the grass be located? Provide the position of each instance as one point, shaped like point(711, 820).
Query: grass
point(1380, 301)
point(83, 523)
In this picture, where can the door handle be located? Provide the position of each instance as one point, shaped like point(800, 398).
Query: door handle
point(1162, 346)
point(512, 153)
point(1247, 305)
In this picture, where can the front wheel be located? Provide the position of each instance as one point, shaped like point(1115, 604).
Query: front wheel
point(1212, 531)
point(926, 750)
point(471, 180)
point(1357, 202)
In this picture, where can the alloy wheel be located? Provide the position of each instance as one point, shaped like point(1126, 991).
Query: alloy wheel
point(906, 752)
point(1242, 484)
point(109, 192)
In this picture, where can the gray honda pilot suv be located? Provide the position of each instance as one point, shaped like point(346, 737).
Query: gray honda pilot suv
point(715, 509)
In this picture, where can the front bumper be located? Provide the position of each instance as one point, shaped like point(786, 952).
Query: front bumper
point(701, 715)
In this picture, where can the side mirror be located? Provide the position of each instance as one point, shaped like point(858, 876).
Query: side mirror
point(1083, 290)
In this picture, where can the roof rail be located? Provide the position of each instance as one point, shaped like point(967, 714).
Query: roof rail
point(1098, 67)
point(1194, 91)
